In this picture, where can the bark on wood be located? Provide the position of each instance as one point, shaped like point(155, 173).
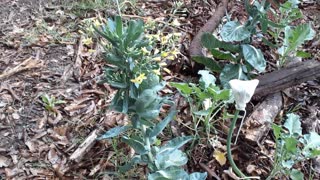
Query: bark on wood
point(287, 77)
point(195, 48)
point(259, 122)
point(78, 154)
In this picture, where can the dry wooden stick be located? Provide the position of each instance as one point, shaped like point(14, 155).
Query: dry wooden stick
point(29, 63)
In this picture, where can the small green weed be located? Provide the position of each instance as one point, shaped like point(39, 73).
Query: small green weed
point(50, 102)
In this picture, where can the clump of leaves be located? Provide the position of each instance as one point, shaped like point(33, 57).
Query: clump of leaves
point(235, 42)
point(135, 75)
point(50, 102)
point(206, 99)
point(293, 147)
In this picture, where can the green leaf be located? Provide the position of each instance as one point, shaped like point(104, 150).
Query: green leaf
point(312, 140)
point(118, 25)
point(254, 57)
point(294, 38)
point(223, 55)
point(114, 132)
point(291, 144)
point(303, 54)
point(183, 88)
point(206, 79)
point(202, 113)
point(208, 62)
point(293, 124)
point(211, 42)
point(167, 159)
point(135, 144)
point(130, 164)
point(296, 175)
point(234, 31)
point(151, 82)
point(175, 143)
point(287, 164)
point(229, 72)
point(198, 176)
point(276, 131)
point(161, 125)
point(169, 174)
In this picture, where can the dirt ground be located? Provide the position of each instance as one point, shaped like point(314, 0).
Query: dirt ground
point(40, 54)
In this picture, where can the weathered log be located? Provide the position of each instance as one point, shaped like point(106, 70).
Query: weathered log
point(287, 77)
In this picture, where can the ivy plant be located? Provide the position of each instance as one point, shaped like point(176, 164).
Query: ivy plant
point(136, 77)
point(293, 147)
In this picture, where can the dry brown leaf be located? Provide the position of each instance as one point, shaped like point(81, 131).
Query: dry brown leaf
point(4, 161)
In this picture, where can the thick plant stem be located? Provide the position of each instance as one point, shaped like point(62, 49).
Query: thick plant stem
point(233, 164)
point(148, 145)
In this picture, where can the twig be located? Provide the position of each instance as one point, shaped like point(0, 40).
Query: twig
point(29, 63)
point(209, 171)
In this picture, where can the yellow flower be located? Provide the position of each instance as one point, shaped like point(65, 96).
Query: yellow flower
point(157, 59)
point(167, 70)
point(96, 23)
point(175, 52)
point(91, 50)
point(145, 50)
point(164, 54)
point(87, 41)
point(139, 79)
point(156, 71)
point(162, 64)
point(170, 58)
point(220, 157)
point(164, 40)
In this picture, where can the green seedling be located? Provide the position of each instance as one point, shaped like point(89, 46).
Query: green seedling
point(50, 102)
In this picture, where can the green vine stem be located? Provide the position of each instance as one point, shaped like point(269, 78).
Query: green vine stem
point(233, 164)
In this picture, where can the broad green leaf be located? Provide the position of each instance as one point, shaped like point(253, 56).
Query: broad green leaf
point(208, 62)
point(229, 72)
point(175, 143)
point(135, 144)
point(206, 79)
point(151, 81)
point(169, 174)
point(167, 159)
point(287, 164)
point(223, 55)
point(184, 88)
point(161, 125)
point(234, 31)
point(312, 141)
point(276, 131)
point(254, 57)
point(114, 132)
point(211, 42)
point(293, 124)
point(198, 176)
point(291, 144)
point(294, 38)
point(296, 175)
point(220, 95)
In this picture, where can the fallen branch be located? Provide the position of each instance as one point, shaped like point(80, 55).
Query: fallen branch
point(287, 77)
point(78, 154)
point(28, 64)
point(195, 48)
